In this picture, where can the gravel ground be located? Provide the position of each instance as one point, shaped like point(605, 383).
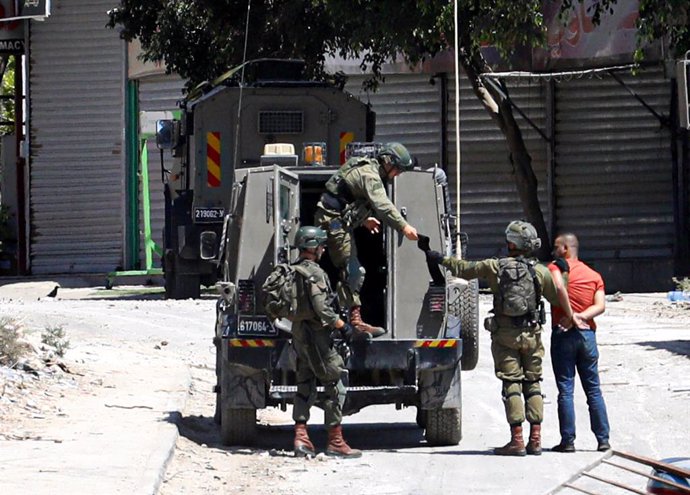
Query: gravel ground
point(644, 342)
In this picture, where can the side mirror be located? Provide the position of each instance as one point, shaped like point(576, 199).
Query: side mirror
point(167, 134)
point(208, 244)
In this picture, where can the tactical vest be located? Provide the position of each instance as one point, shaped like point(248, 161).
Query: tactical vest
point(337, 186)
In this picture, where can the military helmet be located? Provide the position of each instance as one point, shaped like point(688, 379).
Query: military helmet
point(398, 156)
point(310, 237)
point(523, 235)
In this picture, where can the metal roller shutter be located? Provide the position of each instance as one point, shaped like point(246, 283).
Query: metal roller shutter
point(613, 175)
point(489, 198)
point(408, 110)
point(159, 93)
point(76, 140)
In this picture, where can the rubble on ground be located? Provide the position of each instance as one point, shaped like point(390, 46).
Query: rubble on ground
point(33, 378)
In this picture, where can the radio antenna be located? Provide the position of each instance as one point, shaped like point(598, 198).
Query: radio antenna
point(239, 105)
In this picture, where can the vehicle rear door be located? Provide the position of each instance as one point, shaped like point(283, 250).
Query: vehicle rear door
point(267, 213)
point(416, 305)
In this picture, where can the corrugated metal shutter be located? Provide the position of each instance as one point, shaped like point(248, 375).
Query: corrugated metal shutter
point(489, 198)
point(408, 110)
point(160, 93)
point(76, 140)
point(613, 176)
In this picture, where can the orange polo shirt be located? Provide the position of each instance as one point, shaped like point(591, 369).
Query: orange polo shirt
point(582, 283)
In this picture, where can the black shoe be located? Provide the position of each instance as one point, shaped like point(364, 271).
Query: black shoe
point(563, 447)
point(604, 446)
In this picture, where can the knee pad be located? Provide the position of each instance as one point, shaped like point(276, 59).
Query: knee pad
point(354, 274)
point(531, 389)
point(511, 389)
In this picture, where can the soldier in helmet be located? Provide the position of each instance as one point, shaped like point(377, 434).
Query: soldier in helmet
point(517, 283)
point(356, 196)
point(316, 358)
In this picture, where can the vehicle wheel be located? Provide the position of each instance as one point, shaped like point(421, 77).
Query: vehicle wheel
point(237, 426)
point(421, 418)
point(443, 426)
point(180, 280)
point(469, 323)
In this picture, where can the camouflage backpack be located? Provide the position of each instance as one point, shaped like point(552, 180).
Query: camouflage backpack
point(284, 293)
point(519, 293)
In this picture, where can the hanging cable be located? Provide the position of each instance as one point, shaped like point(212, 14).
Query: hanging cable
point(239, 105)
point(557, 76)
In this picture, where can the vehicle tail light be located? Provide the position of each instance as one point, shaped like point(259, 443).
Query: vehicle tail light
point(436, 299)
point(246, 297)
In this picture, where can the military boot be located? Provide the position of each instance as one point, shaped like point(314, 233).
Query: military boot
point(337, 447)
point(303, 446)
point(362, 327)
point(516, 446)
point(534, 444)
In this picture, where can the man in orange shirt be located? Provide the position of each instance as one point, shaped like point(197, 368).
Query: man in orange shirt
point(575, 349)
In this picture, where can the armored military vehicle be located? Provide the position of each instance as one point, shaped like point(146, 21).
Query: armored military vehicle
point(431, 319)
point(224, 126)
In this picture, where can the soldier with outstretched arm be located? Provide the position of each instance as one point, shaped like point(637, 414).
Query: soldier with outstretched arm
point(517, 283)
point(356, 196)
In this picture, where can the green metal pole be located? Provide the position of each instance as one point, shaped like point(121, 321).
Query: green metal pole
point(132, 180)
point(151, 246)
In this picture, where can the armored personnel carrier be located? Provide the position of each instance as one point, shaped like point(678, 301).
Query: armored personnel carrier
point(431, 318)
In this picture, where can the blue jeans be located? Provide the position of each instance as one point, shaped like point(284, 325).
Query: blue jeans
point(577, 350)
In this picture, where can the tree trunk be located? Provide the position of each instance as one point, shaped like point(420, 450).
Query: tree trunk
point(502, 113)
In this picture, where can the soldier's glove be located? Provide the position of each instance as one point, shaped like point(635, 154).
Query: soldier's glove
point(348, 332)
point(562, 265)
point(344, 333)
point(423, 243)
point(434, 257)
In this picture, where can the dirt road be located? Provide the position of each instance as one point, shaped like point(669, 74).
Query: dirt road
point(645, 370)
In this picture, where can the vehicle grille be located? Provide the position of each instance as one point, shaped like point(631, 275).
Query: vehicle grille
point(281, 122)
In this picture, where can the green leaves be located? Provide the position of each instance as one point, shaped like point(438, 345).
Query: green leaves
point(200, 39)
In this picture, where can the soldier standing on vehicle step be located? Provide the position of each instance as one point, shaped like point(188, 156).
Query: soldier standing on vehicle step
point(316, 358)
point(517, 283)
point(356, 196)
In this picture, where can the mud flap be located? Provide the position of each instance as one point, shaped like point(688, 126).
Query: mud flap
point(440, 388)
point(243, 387)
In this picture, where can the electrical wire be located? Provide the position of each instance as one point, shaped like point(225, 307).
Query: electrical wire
point(239, 105)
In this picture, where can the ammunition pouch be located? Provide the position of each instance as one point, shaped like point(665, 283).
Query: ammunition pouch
point(354, 213)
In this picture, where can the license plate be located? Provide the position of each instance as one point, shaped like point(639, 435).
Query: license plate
point(255, 326)
point(208, 215)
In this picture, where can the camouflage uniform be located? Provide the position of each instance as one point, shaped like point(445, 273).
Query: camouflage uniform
point(517, 348)
point(356, 192)
point(316, 358)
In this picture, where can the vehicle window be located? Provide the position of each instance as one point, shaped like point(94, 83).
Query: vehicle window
point(284, 202)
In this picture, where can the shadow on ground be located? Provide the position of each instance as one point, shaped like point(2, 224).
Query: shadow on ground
point(680, 347)
point(366, 436)
point(143, 294)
